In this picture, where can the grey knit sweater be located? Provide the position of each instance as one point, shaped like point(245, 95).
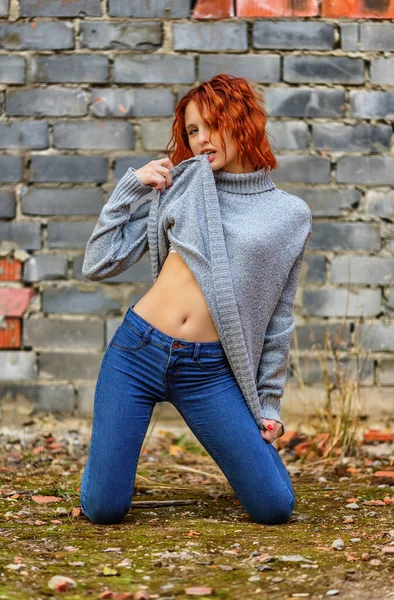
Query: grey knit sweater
point(243, 239)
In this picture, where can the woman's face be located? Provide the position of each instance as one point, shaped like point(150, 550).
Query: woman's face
point(199, 139)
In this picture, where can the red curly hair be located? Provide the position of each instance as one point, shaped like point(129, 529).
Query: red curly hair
point(234, 106)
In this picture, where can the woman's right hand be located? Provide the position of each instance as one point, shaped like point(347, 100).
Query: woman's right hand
point(156, 174)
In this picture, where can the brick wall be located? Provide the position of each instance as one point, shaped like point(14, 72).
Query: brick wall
point(88, 87)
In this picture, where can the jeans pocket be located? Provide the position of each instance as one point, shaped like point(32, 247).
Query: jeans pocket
point(214, 364)
point(127, 338)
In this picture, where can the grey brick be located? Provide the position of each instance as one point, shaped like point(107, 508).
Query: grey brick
point(177, 9)
point(287, 135)
point(70, 234)
point(382, 71)
point(380, 204)
point(111, 325)
point(150, 102)
point(58, 397)
point(4, 7)
point(311, 371)
point(57, 8)
point(262, 68)
point(304, 168)
point(69, 365)
point(122, 35)
point(24, 134)
point(11, 168)
point(377, 36)
point(378, 337)
point(350, 33)
point(344, 236)
point(364, 137)
point(304, 102)
point(323, 69)
point(316, 269)
point(122, 164)
point(53, 102)
point(312, 336)
point(370, 170)
point(17, 365)
point(58, 201)
point(326, 202)
point(85, 398)
point(45, 267)
point(68, 168)
point(205, 37)
point(373, 270)
point(336, 303)
point(154, 69)
point(26, 235)
point(155, 135)
point(93, 135)
point(63, 333)
point(386, 371)
point(372, 105)
point(390, 300)
point(293, 35)
point(44, 36)
point(7, 204)
point(75, 301)
point(140, 272)
point(12, 69)
point(74, 68)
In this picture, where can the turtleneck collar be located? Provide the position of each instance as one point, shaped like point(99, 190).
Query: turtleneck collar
point(243, 183)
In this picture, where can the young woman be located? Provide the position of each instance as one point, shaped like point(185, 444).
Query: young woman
point(212, 334)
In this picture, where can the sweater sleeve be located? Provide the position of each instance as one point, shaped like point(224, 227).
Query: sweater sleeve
point(271, 374)
point(119, 238)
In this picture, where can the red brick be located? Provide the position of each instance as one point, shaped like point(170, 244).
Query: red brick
point(387, 475)
point(10, 269)
point(375, 435)
point(277, 8)
point(10, 337)
point(14, 301)
point(214, 9)
point(356, 9)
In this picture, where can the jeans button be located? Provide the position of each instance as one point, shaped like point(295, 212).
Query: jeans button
point(175, 345)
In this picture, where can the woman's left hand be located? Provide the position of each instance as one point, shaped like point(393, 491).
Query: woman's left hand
point(270, 435)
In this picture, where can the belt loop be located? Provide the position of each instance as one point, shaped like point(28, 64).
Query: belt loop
point(196, 350)
point(147, 334)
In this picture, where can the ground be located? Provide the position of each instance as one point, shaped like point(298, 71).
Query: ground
point(202, 543)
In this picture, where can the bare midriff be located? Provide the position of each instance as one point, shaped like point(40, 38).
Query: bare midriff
point(176, 305)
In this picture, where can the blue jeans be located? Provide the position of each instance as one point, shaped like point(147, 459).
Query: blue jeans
point(142, 366)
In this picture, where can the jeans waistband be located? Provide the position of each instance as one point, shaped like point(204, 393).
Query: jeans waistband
point(158, 337)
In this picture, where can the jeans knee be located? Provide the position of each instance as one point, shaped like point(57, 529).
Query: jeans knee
point(103, 515)
point(274, 514)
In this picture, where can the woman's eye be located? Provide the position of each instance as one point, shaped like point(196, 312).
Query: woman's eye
point(192, 131)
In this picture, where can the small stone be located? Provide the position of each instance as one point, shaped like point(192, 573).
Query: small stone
point(254, 578)
point(375, 562)
point(332, 593)
point(61, 510)
point(355, 540)
point(338, 544)
point(166, 586)
point(388, 550)
point(61, 583)
point(353, 506)
point(347, 520)
point(264, 568)
point(276, 579)
point(294, 558)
